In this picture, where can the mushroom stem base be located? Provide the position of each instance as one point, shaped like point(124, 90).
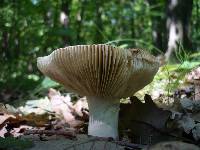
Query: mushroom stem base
point(103, 121)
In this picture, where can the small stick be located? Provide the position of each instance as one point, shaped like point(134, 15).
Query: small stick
point(130, 145)
point(69, 133)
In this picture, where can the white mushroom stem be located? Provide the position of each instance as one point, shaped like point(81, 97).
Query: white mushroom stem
point(103, 120)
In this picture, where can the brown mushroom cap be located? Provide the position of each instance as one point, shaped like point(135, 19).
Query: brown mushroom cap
point(100, 70)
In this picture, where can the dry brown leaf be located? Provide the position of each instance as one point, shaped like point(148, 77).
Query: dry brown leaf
point(80, 106)
point(61, 106)
point(145, 121)
point(4, 118)
point(13, 123)
point(74, 115)
point(146, 112)
point(173, 145)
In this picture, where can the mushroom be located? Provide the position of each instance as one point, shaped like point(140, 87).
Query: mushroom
point(194, 78)
point(102, 73)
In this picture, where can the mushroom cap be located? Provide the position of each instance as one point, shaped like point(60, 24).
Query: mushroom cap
point(194, 76)
point(100, 70)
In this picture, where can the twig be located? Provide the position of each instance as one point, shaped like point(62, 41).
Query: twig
point(69, 133)
point(130, 145)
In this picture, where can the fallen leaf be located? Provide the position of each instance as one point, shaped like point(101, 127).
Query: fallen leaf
point(74, 115)
point(196, 132)
point(146, 112)
point(187, 123)
point(145, 121)
point(172, 145)
point(80, 106)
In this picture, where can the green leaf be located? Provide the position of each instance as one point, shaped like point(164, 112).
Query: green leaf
point(47, 83)
point(61, 32)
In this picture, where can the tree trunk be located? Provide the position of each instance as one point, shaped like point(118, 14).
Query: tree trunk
point(80, 20)
point(64, 18)
point(4, 45)
point(178, 19)
point(157, 25)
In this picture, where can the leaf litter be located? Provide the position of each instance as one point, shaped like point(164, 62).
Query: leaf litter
point(58, 117)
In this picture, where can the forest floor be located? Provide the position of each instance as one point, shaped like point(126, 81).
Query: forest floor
point(59, 121)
